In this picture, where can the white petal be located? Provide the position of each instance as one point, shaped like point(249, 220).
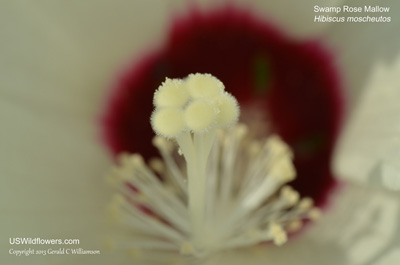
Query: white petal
point(111, 32)
point(369, 147)
point(52, 165)
point(359, 45)
point(363, 223)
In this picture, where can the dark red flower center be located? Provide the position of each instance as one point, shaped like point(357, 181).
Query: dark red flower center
point(293, 83)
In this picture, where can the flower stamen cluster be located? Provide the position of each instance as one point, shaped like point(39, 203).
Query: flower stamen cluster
point(217, 189)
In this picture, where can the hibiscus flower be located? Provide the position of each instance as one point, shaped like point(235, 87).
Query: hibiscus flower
point(59, 60)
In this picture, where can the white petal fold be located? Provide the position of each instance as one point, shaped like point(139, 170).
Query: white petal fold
point(369, 147)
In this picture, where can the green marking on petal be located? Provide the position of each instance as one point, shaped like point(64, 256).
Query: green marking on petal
point(261, 74)
point(310, 145)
